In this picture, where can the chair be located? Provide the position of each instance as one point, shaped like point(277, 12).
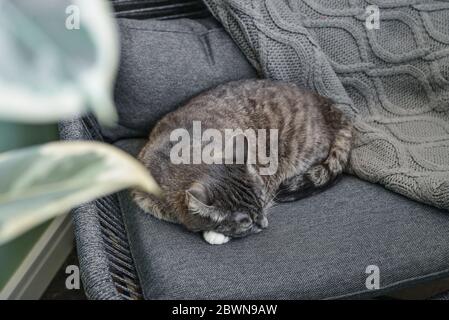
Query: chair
point(109, 265)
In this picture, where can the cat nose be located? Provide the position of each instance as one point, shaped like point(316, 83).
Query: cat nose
point(262, 222)
point(241, 218)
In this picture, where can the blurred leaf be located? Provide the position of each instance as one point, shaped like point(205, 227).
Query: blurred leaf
point(38, 183)
point(15, 135)
point(50, 70)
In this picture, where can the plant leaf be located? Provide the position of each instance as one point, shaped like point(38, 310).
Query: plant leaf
point(38, 183)
point(52, 68)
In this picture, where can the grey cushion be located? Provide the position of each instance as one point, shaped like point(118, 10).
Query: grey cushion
point(318, 247)
point(164, 63)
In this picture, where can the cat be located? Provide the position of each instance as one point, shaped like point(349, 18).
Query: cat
point(225, 200)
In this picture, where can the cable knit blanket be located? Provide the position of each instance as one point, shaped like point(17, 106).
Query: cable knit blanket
point(394, 79)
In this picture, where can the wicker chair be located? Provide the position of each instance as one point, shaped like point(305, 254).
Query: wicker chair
point(106, 262)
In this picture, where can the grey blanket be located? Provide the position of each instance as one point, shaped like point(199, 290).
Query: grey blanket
point(394, 79)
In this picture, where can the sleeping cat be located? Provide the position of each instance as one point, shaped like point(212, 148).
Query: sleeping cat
point(228, 200)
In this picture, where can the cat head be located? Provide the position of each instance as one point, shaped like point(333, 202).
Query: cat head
point(229, 199)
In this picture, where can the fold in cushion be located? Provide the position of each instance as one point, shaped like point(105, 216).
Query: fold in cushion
point(165, 63)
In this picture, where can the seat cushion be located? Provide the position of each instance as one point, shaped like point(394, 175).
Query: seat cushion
point(165, 63)
point(318, 247)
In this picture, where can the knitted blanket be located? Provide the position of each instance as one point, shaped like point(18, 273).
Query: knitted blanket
point(384, 62)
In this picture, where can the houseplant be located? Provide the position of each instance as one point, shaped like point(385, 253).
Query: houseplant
point(59, 60)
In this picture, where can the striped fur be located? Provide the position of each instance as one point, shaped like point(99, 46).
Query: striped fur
point(233, 199)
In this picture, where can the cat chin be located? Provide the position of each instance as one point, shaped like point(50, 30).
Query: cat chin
point(213, 237)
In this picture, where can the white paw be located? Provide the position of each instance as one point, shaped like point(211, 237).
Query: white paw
point(213, 237)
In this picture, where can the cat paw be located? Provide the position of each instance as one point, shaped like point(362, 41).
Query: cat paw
point(213, 237)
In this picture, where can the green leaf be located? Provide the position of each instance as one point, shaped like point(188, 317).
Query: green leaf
point(39, 183)
point(52, 68)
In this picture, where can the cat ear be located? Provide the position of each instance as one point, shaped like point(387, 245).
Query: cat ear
point(199, 202)
point(197, 196)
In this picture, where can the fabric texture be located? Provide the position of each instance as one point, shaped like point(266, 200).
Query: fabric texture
point(315, 248)
point(165, 63)
point(394, 79)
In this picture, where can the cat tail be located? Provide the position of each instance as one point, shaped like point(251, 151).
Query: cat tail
point(326, 172)
point(324, 175)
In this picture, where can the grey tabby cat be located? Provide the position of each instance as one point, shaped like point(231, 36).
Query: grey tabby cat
point(231, 200)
